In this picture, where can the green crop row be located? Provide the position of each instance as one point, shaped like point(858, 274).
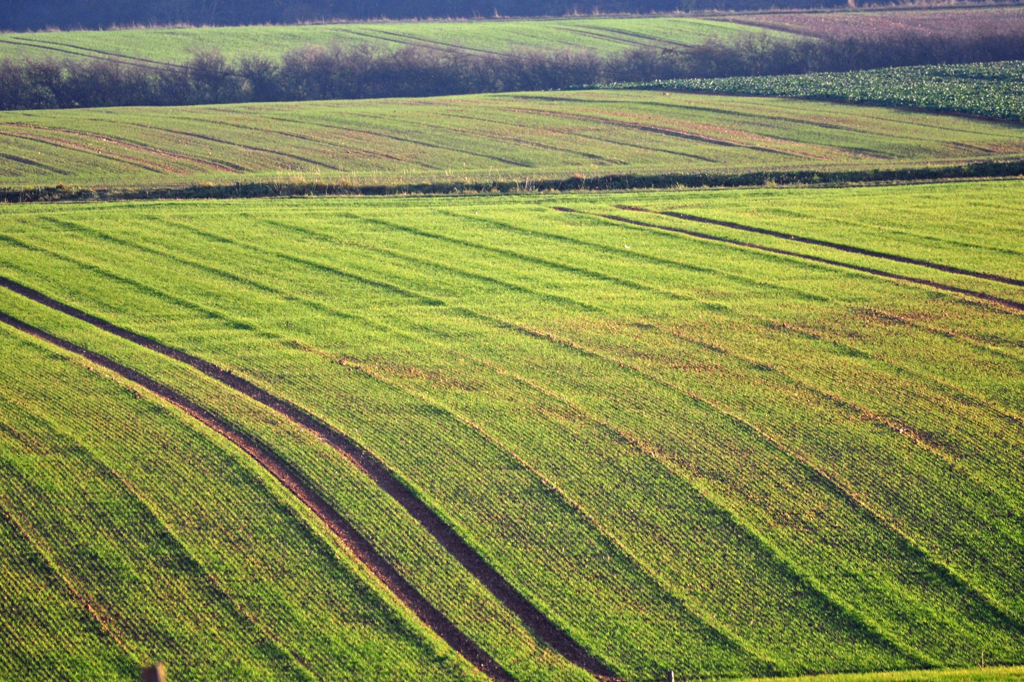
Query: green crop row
point(130, 536)
point(520, 139)
point(691, 454)
point(993, 90)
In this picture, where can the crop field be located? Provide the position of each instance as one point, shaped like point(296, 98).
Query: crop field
point(986, 674)
point(992, 90)
point(726, 433)
point(604, 35)
point(524, 137)
point(949, 22)
point(168, 544)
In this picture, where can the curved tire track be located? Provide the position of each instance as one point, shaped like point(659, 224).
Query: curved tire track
point(532, 617)
point(279, 469)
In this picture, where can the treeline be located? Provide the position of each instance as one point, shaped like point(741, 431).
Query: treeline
point(316, 72)
point(31, 15)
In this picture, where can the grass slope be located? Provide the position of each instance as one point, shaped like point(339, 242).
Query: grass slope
point(992, 90)
point(523, 138)
point(176, 45)
point(941, 21)
point(149, 539)
point(720, 452)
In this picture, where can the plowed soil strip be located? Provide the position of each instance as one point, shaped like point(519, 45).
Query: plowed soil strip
point(835, 245)
point(1016, 305)
point(349, 536)
point(125, 143)
point(536, 621)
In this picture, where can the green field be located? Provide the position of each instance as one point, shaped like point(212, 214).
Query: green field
point(169, 545)
point(993, 90)
point(604, 35)
point(523, 137)
point(733, 434)
point(996, 674)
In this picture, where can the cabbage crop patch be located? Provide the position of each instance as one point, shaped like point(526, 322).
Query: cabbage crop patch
point(991, 90)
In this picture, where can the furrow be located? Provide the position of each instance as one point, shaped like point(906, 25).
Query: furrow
point(1015, 305)
point(357, 545)
point(722, 141)
point(372, 467)
point(373, 128)
point(117, 56)
point(324, 267)
point(118, 59)
point(374, 153)
point(680, 265)
point(824, 478)
point(65, 144)
point(30, 162)
point(189, 305)
point(238, 609)
point(262, 150)
point(94, 611)
point(842, 403)
point(437, 44)
point(837, 246)
point(130, 145)
point(519, 256)
point(568, 502)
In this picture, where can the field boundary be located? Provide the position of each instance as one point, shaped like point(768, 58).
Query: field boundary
point(542, 627)
point(359, 547)
point(576, 182)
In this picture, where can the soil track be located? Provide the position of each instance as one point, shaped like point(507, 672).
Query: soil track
point(834, 245)
point(536, 621)
point(342, 529)
point(121, 143)
point(67, 144)
point(1016, 305)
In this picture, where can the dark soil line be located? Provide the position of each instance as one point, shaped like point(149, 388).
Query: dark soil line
point(840, 247)
point(238, 145)
point(67, 144)
point(437, 44)
point(536, 621)
point(29, 162)
point(125, 143)
point(119, 59)
point(122, 58)
point(95, 612)
point(342, 529)
point(369, 130)
point(816, 259)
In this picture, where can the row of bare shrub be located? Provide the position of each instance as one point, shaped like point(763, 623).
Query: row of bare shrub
point(317, 72)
